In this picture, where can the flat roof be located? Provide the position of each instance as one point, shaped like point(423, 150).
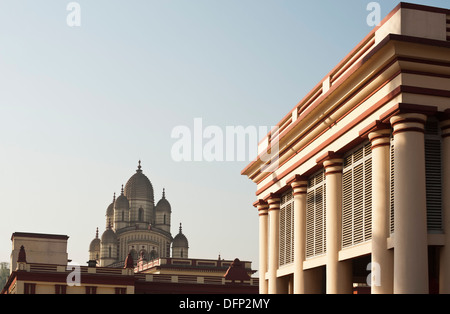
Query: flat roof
point(39, 235)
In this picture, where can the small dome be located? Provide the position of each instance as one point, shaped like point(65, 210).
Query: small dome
point(110, 209)
point(109, 236)
point(180, 240)
point(163, 204)
point(139, 187)
point(95, 244)
point(122, 202)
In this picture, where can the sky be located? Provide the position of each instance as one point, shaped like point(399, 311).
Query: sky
point(80, 105)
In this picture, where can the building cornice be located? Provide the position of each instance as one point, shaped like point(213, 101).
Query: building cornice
point(363, 52)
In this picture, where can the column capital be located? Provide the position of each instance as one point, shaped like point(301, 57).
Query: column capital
point(379, 134)
point(274, 201)
point(299, 188)
point(299, 185)
point(408, 122)
point(332, 162)
point(380, 138)
point(262, 207)
point(260, 203)
point(333, 166)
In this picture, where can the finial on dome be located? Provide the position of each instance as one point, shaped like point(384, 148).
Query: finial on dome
point(139, 167)
point(96, 233)
point(180, 228)
point(114, 197)
point(121, 191)
point(164, 193)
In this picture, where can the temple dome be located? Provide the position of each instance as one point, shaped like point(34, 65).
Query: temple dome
point(180, 240)
point(109, 236)
point(110, 209)
point(122, 202)
point(139, 187)
point(163, 204)
point(95, 244)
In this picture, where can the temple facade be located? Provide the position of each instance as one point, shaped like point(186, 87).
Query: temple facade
point(135, 225)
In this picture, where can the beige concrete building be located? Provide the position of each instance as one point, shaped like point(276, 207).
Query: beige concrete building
point(42, 248)
point(361, 194)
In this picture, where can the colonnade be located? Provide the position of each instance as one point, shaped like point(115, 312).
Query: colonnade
point(403, 269)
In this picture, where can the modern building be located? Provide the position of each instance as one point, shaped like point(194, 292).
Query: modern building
point(33, 273)
point(135, 225)
point(360, 195)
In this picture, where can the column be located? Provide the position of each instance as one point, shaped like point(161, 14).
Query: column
point(382, 258)
point(274, 242)
point(338, 274)
point(410, 217)
point(444, 273)
point(299, 187)
point(263, 244)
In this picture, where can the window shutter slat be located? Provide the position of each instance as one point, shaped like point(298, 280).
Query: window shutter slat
point(433, 168)
point(315, 216)
point(357, 197)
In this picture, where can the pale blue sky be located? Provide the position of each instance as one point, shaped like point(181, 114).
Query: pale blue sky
point(80, 106)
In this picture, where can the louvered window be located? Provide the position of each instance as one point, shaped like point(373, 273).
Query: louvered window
point(286, 229)
point(357, 197)
point(433, 168)
point(315, 216)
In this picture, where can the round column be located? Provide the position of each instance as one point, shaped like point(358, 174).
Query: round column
point(338, 274)
point(274, 242)
point(263, 211)
point(299, 191)
point(382, 258)
point(410, 217)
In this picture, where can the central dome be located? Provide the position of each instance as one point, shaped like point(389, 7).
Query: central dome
point(139, 187)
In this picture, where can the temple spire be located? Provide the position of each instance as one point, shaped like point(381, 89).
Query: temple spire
point(139, 167)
